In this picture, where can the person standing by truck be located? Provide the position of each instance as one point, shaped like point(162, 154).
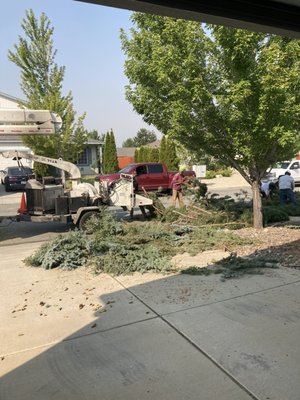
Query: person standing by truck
point(177, 182)
point(286, 185)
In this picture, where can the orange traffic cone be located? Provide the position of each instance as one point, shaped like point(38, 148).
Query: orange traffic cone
point(23, 206)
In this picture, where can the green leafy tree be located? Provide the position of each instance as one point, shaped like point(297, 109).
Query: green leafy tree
point(94, 134)
point(110, 160)
point(41, 83)
point(233, 93)
point(128, 143)
point(142, 138)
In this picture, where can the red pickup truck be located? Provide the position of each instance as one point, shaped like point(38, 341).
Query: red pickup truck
point(150, 176)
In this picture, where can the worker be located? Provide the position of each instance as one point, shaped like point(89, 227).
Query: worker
point(286, 185)
point(177, 188)
point(267, 189)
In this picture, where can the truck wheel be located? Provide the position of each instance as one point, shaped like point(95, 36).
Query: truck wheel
point(83, 222)
point(7, 188)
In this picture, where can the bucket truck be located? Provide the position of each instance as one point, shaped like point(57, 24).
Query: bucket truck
point(29, 122)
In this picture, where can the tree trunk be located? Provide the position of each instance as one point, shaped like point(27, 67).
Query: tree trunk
point(257, 206)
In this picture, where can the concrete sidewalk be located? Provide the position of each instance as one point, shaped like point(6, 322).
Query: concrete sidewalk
point(69, 335)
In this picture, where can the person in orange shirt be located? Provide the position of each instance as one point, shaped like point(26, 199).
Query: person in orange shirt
point(177, 182)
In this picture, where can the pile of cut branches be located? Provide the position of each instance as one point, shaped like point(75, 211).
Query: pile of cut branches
point(123, 248)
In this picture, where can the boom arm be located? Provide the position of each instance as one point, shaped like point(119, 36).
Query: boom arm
point(29, 122)
point(70, 168)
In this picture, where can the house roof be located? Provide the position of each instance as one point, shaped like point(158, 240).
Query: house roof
point(125, 151)
point(95, 142)
point(12, 98)
point(154, 144)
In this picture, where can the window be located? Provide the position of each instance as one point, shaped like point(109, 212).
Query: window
point(295, 165)
point(126, 169)
point(283, 165)
point(141, 170)
point(85, 157)
point(155, 169)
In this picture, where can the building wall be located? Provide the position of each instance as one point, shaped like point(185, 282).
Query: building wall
point(8, 103)
point(88, 165)
point(125, 160)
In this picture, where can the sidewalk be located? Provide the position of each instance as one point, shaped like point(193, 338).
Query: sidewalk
point(71, 335)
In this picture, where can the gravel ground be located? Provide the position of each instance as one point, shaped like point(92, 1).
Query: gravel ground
point(277, 243)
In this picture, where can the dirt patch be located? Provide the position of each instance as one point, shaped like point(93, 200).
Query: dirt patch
point(201, 260)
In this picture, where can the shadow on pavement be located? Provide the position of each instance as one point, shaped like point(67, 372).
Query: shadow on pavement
point(12, 232)
point(154, 337)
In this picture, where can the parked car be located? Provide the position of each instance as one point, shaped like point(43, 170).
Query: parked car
point(15, 177)
point(279, 169)
point(150, 176)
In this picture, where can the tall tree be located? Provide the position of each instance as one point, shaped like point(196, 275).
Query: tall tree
point(154, 155)
point(163, 150)
point(172, 160)
point(105, 154)
point(110, 159)
point(136, 156)
point(142, 154)
point(233, 93)
point(114, 155)
point(41, 83)
point(142, 138)
point(94, 134)
point(128, 143)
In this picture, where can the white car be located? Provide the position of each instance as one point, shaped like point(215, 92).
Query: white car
point(280, 169)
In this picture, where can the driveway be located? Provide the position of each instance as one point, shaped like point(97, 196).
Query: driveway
point(72, 335)
point(9, 202)
point(69, 335)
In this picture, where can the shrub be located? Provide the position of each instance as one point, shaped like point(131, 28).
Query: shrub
point(292, 210)
point(274, 214)
point(210, 174)
point(226, 172)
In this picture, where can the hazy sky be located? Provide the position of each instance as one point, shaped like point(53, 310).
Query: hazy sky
point(86, 37)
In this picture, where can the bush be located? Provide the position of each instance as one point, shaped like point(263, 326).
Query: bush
point(210, 174)
point(274, 214)
point(292, 210)
point(226, 172)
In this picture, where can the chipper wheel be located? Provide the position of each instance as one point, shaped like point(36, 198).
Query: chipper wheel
point(85, 218)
